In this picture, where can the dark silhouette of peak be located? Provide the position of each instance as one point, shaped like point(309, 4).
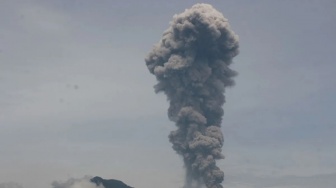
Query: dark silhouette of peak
point(110, 183)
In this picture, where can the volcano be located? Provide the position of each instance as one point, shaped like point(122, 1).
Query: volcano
point(109, 183)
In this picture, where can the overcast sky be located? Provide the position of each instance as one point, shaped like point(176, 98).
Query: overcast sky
point(76, 97)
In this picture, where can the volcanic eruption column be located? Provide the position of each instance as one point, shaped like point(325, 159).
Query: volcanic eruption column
point(191, 64)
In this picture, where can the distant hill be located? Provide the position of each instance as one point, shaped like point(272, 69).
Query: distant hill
point(109, 183)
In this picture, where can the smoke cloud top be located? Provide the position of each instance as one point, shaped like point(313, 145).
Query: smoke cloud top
point(191, 64)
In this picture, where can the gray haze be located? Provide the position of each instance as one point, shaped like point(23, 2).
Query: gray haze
point(10, 185)
point(191, 64)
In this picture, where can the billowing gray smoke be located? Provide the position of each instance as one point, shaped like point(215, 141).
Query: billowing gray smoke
point(191, 63)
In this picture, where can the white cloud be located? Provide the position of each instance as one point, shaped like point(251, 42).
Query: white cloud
point(76, 183)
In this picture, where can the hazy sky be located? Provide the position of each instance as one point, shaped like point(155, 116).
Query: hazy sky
point(76, 97)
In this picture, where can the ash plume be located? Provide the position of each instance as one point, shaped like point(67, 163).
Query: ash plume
point(191, 64)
